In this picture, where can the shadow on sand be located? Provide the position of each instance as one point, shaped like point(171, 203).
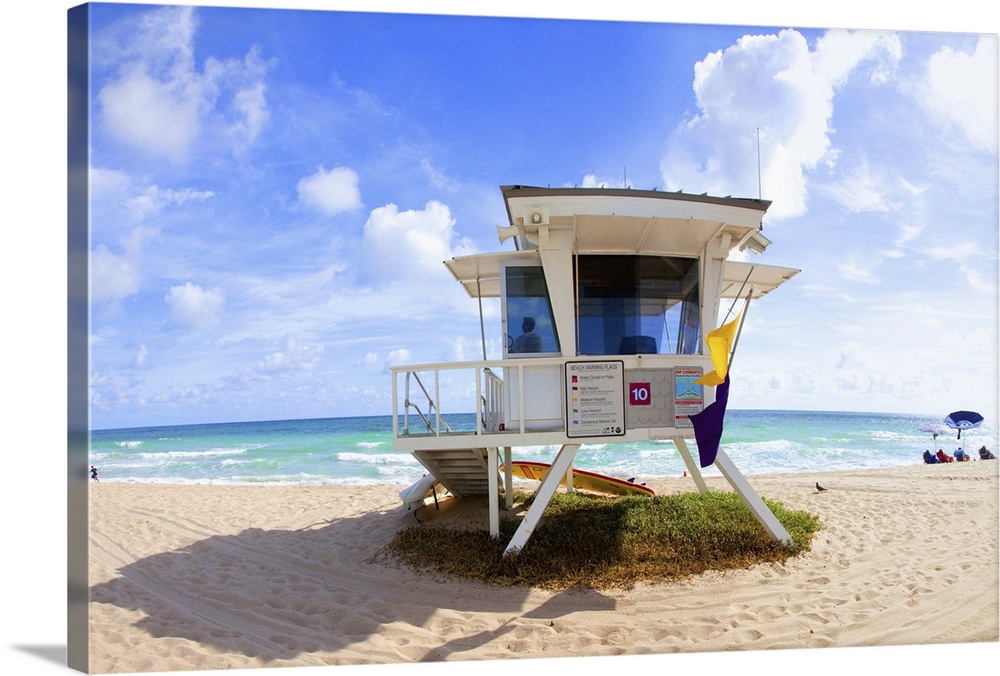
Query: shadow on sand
point(277, 594)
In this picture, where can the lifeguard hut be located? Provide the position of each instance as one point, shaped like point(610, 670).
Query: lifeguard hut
point(605, 301)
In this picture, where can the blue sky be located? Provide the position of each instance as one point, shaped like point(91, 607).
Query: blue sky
point(273, 193)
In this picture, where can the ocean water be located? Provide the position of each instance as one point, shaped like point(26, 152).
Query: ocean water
point(359, 451)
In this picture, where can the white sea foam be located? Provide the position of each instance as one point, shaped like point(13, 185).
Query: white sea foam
point(182, 455)
point(378, 458)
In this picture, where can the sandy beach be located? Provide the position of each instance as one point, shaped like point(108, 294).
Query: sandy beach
point(230, 577)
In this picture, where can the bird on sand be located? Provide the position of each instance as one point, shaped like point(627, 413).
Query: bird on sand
point(819, 488)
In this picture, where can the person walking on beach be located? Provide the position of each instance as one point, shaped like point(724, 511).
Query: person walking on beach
point(93, 474)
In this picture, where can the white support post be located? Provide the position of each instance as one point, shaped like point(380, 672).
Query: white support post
point(751, 499)
point(692, 466)
point(494, 488)
point(562, 462)
point(508, 478)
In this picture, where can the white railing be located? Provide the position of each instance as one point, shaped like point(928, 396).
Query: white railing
point(518, 400)
point(408, 402)
point(432, 393)
point(493, 406)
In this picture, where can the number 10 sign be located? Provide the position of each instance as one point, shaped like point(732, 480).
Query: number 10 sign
point(639, 394)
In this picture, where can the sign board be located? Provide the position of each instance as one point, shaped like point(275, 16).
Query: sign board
point(595, 398)
point(689, 397)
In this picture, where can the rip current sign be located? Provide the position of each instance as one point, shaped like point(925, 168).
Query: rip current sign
point(595, 398)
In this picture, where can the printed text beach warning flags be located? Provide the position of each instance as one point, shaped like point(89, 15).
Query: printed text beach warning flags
point(708, 423)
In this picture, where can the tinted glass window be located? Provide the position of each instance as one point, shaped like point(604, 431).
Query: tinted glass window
point(638, 305)
point(530, 329)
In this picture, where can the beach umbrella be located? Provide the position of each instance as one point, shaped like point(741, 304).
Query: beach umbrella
point(963, 420)
point(934, 429)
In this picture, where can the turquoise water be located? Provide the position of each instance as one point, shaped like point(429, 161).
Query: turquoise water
point(359, 451)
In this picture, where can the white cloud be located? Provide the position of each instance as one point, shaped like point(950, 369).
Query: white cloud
point(861, 190)
point(245, 114)
point(191, 305)
point(153, 199)
point(104, 182)
point(770, 87)
point(112, 277)
point(857, 271)
point(438, 178)
point(410, 244)
point(961, 90)
point(293, 356)
point(592, 181)
point(162, 118)
point(141, 355)
point(160, 104)
point(115, 276)
point(397, 357)
point(331, 192)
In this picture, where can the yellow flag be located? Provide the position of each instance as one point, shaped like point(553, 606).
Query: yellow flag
point(719, 341)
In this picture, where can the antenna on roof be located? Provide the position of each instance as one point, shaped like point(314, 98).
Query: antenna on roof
point(760, 194)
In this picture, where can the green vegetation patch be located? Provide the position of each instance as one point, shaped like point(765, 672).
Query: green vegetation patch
point(609, 542)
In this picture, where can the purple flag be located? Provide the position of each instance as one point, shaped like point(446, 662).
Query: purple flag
point(708, 424)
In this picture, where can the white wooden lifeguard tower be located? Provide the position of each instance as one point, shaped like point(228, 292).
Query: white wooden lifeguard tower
point(621, 286)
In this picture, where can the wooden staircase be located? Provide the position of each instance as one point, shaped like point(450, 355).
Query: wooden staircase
point(463, 472)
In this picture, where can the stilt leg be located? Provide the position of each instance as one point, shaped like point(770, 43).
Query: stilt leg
point(508, 478)
point(752, 500)
point(560, 465)
point(692, 466)
point(494, 488)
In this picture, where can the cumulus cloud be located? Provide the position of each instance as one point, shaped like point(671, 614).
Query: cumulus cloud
point(293, 356)
point(159, 103)
point(107, 183)
point(960, 91)
point(397, 357)
point(331, 192)
point(592, 181)
point(112, 276)
point(158, 117)
point(191, 305)
point(776, 89)
point(412, 243)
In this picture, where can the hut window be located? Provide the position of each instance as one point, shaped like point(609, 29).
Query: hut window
point(638, 305)
point(528, 312)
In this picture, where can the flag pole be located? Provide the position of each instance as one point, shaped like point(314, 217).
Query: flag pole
point(739, 329)
point(737, 297)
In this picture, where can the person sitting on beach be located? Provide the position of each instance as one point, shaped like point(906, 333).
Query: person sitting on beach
point(986, 454)
point(930, 459)
point(528, 341)
point(960, 455)
point(944, 457)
